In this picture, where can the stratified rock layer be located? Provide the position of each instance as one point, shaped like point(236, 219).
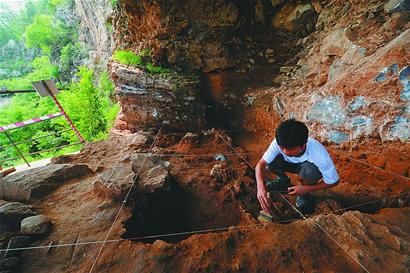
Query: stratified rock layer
point(150, 100)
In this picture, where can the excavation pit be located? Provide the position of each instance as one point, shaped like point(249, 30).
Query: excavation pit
point(177, 214)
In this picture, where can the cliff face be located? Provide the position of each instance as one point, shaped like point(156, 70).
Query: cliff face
point(151, 100)
point(96, 29)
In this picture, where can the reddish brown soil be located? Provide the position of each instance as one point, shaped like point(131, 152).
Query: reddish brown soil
point(210, 204)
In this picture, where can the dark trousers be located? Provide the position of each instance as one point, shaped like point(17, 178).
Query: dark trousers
point(308, 171)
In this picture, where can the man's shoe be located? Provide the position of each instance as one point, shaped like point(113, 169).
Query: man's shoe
point(306, 204)
point(280, 184)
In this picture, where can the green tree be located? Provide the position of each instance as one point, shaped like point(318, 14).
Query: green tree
point(42, 33)
point(89, 105)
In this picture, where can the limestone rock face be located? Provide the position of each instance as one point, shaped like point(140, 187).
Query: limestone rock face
point(96, 28)
point(147, 100)
point(34, 184)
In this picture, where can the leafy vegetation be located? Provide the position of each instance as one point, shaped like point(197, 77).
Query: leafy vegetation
point(127, 57)
point(40, 42)
point(142, 60)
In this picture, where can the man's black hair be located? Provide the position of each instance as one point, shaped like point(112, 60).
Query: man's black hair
point(291, 133)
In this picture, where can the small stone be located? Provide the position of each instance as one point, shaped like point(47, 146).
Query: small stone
point(105, 205)
point(38, 224)
point(285, 69)
point(139, 140)
point(279, 79)
point(269, 51)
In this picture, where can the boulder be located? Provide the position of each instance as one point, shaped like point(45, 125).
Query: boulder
point(33, 225)
point(11, 215)
point(114, 183)
point(151, 173)
point(36, 183)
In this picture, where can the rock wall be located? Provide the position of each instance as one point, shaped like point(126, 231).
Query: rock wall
point(351, 79)
point(340, 66)
point(190, 34)
point(219, 39)
point(96, 29)
point(150, 100)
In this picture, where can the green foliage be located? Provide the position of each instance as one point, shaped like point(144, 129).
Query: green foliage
point(143, 60)
point(87, 102)
point(37, 43)
point(156, 69)
point(127, 57)
point(71, 56)
point(42, 33)
point(114, 3)
point(108, 26)
point(42, 69)
point(59, 3)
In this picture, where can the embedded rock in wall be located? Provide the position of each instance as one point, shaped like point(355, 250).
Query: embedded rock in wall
point(151, 173)
point(296, 17)
point(149, 100)
point(96, 28)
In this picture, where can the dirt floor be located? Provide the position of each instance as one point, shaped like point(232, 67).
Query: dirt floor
point(218, 214)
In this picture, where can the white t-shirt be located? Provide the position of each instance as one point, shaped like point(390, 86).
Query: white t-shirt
point(315, 153)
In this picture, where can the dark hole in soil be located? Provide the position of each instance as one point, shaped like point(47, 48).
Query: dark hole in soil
point(178, 210)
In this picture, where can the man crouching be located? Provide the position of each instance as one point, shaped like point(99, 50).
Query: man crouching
point(293, 151)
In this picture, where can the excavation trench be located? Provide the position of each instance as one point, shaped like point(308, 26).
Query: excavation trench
point(197, 202)
point(183, 211)
point(177, 214)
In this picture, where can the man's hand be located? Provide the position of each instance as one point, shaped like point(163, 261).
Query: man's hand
point(301, 190)
point(298, 190)
point(263, 198)
point(262, 194)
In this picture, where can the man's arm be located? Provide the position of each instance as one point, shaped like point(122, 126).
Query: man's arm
point(301, 190)
point(262, 194)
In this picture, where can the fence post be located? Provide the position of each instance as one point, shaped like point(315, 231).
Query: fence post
point(63, 112)
point(18, 150)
